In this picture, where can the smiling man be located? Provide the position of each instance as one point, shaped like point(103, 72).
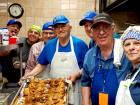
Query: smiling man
point(65, 54)
point(87, 21)
point(101, 77)
point(13, 27)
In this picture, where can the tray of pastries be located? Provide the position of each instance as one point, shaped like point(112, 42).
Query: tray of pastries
point(43, 92)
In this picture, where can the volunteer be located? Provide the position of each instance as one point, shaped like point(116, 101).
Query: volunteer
point(87, 21)
point(65, 54)
point(129, 88)
point(101, 76)
point(9, 73)
point(47, 34)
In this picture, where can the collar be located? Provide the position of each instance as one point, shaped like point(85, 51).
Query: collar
point(99, 56)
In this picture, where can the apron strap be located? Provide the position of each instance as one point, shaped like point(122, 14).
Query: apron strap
point(71, 45)
point(135, 74)
point(57, 45)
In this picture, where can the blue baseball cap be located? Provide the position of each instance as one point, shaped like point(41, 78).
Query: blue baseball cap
point(13, 21)
point(88, 16)
point(47, 26)
point(60, 19)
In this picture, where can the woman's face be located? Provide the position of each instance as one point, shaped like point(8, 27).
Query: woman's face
point(132, 50)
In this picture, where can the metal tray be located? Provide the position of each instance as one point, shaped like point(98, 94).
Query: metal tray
point(20, 93)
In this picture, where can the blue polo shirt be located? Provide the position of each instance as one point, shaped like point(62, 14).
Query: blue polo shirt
point(80, 49)
point(90, 63)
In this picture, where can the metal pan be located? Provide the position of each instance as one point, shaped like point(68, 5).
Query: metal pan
point(19, 95)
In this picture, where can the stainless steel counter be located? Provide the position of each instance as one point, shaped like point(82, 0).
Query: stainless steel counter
point(12, 89)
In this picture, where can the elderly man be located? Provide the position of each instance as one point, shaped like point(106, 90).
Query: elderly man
point(65, 54)
point(47, 34)
point(87, 21)
point(101, 77)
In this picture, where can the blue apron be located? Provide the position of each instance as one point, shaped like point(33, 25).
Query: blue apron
point(105, 81)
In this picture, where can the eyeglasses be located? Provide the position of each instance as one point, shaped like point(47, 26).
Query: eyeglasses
point(46, 33)
point(104, 28)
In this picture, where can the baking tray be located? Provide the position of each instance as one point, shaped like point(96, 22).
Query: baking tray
point(20, 92)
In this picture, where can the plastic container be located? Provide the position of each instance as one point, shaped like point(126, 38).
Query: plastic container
point(5, 36)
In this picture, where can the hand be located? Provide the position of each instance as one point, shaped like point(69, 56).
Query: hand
point(16, 64)
point(21, 80)
point(25, 78)
point(74, 76)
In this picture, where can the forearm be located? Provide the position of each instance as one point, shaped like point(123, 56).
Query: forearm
point(36, 70)
point(31, 64)
point(86, 95)
point(78, 74)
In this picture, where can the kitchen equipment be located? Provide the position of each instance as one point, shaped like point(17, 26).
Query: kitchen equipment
point(4, 98)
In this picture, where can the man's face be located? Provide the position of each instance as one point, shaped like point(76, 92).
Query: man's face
point(132, 50)
point(87, 27)
point(33, 36)
point(13, 30)
point(62, 30)
point(48, 34)
point(103, 34)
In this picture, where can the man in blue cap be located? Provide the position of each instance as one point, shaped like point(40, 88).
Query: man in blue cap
point(47, 34)
point(87, 21)
point(65, 54)
point(13, 27)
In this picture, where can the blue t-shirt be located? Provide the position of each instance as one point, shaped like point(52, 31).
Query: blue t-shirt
point(80, 49)
point(90, 63)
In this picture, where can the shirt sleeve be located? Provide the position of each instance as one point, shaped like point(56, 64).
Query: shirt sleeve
point(83, 48)
point(86, 79)
point(43, 57)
